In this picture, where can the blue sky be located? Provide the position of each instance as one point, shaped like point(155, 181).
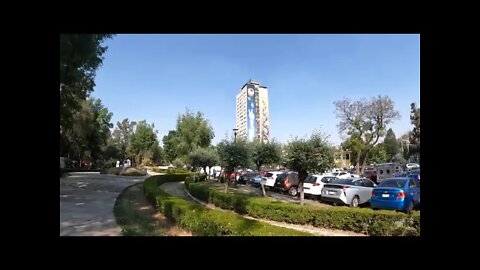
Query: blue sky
point(156, 77)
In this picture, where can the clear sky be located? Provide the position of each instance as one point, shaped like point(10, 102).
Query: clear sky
point(156, 77)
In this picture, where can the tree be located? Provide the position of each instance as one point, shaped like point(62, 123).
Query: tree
point(365, 122)
point(378, 154)
point(233, 154)
point(193, 131)
point(390, 144)
point(414, 135)
point(170, 142)
point(203, 158)
point(309, 156)
point(87, 137)
point(122, 135)
point(143, 142)
point(80, 57)
point(265, 153)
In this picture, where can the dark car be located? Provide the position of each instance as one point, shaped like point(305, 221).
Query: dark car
point(246, 178)
point(287, 182)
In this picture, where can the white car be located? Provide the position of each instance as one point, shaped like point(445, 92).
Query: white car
point(350, 191)
point(411, 166)
point(269, 178)
point(345, 175)
point(314, 183)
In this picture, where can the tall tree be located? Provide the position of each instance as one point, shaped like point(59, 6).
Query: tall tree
point(265, 153)
point(193, 131)
point(80, 57)
point(309, 156)
point(170, 142)
point(365, 121)
point(233, 154)
point(122, 135)
point(415, 133)
point(390, 144)
point(143, 142)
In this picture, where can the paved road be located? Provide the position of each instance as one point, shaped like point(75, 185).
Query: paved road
point(86, 203)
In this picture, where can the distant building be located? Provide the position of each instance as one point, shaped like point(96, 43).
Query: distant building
point(252, 112)
point(342, 159)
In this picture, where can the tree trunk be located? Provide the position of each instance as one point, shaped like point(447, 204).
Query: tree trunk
point(226, 183)
point(264, 194)
point(357, 163)
point(365, 162)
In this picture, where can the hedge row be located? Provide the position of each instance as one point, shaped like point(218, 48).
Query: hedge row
point(169, 171)
point(203, 221)
point(362, 220)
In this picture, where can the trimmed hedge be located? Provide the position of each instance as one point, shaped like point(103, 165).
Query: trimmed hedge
point(362, 220)
point(207, 222)
point(170, 171)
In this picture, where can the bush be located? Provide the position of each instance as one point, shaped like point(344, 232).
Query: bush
point(377, 223)
point(203, 221)
point(170, 171)
point(134, 172)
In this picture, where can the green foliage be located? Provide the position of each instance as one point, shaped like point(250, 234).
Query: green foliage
point(378, 154)
point(170, 141)
point(390, 144)
point(265, 153)
point(80, 57)
point(88, 135)
point(143, 143)
point(362, 220)
point(202, 157)
point(193, 131)
point(309, 156)
point(233, 154)
point(207, 222)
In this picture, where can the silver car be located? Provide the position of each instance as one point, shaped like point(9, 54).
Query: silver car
point(350, 191)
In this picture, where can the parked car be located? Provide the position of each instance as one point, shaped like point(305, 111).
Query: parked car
point(287, 182)
point(411, 166)
point(270, 177)
point(314, 183)
point(345, 175)
point(254, 180)
point(400, 193)
point(246, 177)
point(350, 191)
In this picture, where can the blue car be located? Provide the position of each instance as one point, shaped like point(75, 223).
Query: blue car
point(400, 193)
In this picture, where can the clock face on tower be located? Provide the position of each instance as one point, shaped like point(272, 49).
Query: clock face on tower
point(250, 92)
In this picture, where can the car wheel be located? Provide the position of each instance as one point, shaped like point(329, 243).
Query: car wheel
point(409, 207)
point(355, 201)
point(293, 191)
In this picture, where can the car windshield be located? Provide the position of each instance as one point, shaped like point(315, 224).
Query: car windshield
point(348, 181)
point(398, 183)
point(311, 179)
point(268, 174)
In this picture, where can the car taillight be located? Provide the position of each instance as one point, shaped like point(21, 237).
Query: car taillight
point(374, 193)
point(316, 184)
point(401, 195)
